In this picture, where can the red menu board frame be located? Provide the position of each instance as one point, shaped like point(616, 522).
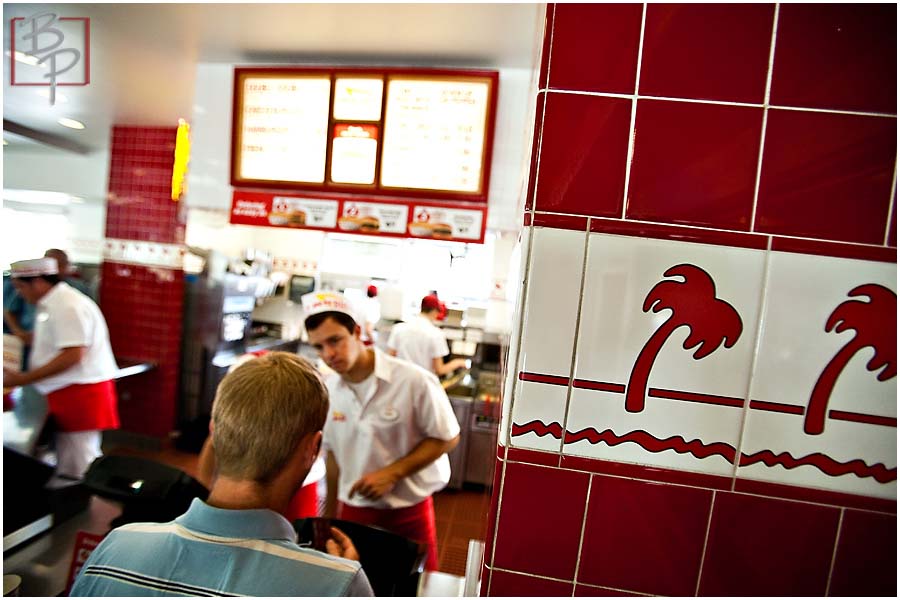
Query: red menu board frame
point(376, 189)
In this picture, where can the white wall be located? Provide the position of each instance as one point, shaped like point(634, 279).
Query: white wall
point(77, 227)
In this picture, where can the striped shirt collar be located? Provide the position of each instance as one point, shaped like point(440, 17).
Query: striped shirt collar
point(260, 523)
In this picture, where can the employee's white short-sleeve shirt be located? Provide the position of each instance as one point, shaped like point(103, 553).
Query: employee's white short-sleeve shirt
point(66, 318)
point(405, 406)
point(418, 341)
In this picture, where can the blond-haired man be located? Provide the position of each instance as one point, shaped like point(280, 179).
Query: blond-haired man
point(267, 428)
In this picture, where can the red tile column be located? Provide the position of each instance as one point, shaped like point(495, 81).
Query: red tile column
point(141, 290)
point(762, 131)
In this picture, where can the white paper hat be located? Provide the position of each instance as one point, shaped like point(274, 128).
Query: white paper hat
point(34, 267)
point(319, 302)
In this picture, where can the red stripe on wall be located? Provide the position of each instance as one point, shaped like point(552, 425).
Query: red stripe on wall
point(680, 234)
point(842, 415)
point(793, 492)
point(602, 386)
point(570, 222)
point(789, 409)
point(834, 249)
point(539, 378)
point(695, 397)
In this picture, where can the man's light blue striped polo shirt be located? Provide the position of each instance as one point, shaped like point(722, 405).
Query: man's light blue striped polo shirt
point(211, 551)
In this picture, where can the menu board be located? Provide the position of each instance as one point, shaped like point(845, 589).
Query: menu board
point(434, 137)
point(389, 132)
point(283, 128)
point(357, 98)
point(354, 152)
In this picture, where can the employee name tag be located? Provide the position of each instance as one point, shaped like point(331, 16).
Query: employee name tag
point(389, 413)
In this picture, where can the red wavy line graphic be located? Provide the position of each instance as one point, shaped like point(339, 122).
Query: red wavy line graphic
point(824, 463)
point(539, 429)
point(648, 442)
point(653, 444)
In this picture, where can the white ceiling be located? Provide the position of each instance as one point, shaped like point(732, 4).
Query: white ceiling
point(144, 56)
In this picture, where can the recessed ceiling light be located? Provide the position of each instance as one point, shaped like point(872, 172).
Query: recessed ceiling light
point(70, 123)
point(60, 97)
point(5, 143)
point(37, 197)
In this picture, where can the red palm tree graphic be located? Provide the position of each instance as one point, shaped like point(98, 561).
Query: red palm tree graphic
point(694, 305)
point(875, 323)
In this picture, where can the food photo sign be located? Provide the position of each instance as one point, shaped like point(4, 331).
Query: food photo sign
point(461, 222)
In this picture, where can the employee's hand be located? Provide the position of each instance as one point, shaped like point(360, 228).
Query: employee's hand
point(374, 485)
point(12, 379)
point(340, 545)
point(25, 336)
point(459, 363)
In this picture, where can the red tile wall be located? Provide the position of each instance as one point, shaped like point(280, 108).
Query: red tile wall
point(139, 204)
point(142, 303)
point(775, 120)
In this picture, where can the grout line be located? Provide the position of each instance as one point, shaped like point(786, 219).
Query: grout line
point(837, 537)
point(834, 111)
point(599, 94)
point(517, 361)
point(763, 302)
point(713, 229)
point(584, 260)
point(535, 575)
point(584, 517)
point(765, 120)
point(496, 526)
point(705, 544)
point(893, 207)
point(629, 159)
point(557, 580)
point(550, 50)
point(702, 101)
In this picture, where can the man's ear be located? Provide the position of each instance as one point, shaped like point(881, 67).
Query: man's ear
point(314, 446)
point(357, 331)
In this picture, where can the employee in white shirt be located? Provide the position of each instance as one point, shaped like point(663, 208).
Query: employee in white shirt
point(421, 342)
point(71, 362)
point(388, 431)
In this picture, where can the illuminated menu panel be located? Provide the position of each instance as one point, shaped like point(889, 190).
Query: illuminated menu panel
point(283, 132)
point(434, 137)
point(357, 98)
point(354, 151)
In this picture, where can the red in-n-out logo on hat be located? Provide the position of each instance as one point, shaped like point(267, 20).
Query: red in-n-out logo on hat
point(49, 50)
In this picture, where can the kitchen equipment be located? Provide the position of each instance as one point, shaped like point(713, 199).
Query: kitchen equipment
point(483, 424)
point(462, 407)
point(283, 312)
point(216, 325)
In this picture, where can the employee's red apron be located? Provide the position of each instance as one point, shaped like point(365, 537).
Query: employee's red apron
point(85, 407)
point(414, 522)
point(305, 503)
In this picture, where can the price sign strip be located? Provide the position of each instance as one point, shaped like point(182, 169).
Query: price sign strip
point(450, 221)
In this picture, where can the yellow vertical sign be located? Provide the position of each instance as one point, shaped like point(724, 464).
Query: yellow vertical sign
point(182, 158)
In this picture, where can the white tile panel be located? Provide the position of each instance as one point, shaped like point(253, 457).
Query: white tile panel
point(803, 292)
point(551, 303)
point(614, 330)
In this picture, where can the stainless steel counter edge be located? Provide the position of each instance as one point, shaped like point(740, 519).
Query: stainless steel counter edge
point(134, 369)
